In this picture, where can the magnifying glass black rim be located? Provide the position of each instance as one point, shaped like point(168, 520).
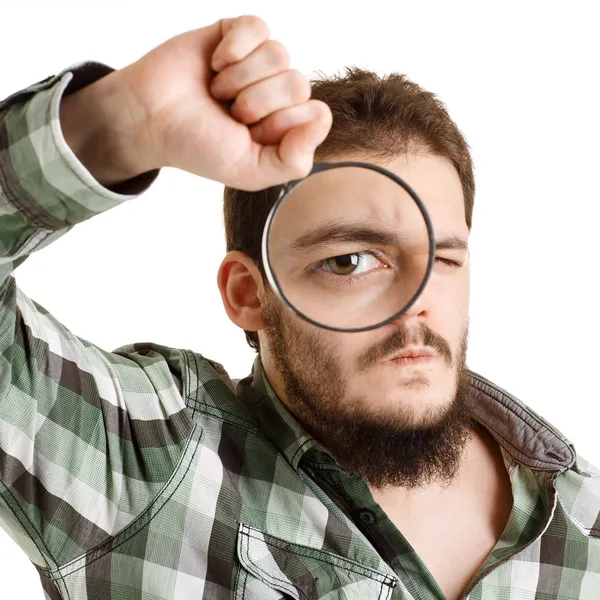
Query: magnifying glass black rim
point(319, 168)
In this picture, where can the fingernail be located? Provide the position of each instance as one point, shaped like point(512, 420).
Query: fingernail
point(218, 64)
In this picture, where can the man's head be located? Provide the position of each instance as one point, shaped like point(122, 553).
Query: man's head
point(392, 421)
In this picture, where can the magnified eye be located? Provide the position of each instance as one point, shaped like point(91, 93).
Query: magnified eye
point(352, 264)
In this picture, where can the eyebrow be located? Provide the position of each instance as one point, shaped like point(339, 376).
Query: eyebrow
point(451, 242)
point(335, 232)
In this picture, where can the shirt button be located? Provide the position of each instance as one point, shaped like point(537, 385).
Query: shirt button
point(366, 516)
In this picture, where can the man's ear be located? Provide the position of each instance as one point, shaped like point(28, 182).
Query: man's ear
point(242, 290)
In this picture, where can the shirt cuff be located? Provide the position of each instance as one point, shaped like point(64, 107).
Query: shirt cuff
point(47, 177)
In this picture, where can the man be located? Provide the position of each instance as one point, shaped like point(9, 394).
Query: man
point(348, 465)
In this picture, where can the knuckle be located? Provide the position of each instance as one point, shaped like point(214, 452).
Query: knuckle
point(230, 51)
point(256, 24)
point(277, 54)
point(245, 30)
point(323, 112)
point(299, 86)
point(301, 167)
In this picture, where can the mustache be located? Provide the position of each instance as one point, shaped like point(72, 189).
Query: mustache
point(402, 337)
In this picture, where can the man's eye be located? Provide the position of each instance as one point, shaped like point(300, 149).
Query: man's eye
point(351, 264)
point(447, 262)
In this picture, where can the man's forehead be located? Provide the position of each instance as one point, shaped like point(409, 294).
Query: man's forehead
point(427, 170)
point(435, 179)
point(367, 196)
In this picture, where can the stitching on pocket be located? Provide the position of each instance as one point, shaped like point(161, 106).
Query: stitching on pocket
point(322, 556)
point(236, 583)
point(340, 561)
point(244, 583)
point(284, 584)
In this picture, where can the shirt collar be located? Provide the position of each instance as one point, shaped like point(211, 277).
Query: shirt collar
point(274, 419)
point(523, 434)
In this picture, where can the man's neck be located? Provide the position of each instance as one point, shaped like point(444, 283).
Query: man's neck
point(463, 520)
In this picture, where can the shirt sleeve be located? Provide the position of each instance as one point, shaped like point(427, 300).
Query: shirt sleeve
point(87, 437)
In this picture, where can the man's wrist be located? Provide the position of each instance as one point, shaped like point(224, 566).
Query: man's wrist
point(105, 132)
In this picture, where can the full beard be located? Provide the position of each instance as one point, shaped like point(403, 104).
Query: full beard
point(387, 447)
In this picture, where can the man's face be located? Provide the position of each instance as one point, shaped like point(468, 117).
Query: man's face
point(350, 388)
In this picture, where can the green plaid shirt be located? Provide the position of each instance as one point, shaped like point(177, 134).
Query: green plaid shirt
point(146, 473)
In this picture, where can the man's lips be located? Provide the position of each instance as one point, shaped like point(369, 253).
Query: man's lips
point(412, 356)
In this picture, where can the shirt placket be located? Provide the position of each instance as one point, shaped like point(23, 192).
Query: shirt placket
point(352, 495)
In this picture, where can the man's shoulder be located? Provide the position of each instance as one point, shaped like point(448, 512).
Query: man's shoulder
point(204, 386)
point(191, 371)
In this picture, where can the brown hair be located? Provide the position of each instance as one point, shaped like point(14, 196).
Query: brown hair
point(373, 116)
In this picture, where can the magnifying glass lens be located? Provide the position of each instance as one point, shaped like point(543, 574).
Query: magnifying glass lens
point(348, 248)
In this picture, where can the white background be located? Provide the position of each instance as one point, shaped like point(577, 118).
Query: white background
point(519, 77)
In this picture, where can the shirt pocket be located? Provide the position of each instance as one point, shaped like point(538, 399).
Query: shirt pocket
point(271, 568)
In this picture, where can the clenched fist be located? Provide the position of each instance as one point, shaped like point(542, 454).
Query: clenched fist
point(220, 102)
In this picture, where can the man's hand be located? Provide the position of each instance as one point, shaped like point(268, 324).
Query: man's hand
point(220, 102)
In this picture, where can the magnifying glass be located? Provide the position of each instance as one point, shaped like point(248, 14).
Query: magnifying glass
point(348, 248)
